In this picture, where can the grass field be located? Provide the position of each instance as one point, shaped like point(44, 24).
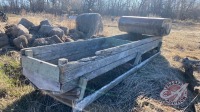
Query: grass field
point(184, 41)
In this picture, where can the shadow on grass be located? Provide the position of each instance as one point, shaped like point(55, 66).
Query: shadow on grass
point(37, 102)
point(149, 82)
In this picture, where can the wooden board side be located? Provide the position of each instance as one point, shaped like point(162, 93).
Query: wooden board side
point(96, 63)
point(107, 52)
point(42, 74)
point(41, 82)
point(82, 48)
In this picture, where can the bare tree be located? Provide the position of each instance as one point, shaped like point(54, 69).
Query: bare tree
point(177, 9)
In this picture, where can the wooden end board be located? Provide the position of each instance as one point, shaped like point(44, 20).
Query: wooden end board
point(43, 75)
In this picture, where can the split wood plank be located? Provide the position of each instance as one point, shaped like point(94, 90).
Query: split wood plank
point(69, 86)
point(110, 66)
point(137, 59)
point(41, 82)
point(122, 48)
point(110, 51)
point(92, 65)
point(82, 84)
point(65, 101)
point(42, 74)
point(52, 52)
point(42, 68)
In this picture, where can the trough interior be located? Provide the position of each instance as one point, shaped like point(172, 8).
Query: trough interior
point(81, 49)
point(89, 50)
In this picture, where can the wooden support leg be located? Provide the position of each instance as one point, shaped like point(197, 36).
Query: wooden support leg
point(82, 84)
point(91, 98)
point(137, 59)
point(159, 46)
point(29, 53)
point(74, 109)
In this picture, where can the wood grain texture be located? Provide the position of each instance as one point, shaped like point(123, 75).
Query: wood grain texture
point(41, 82)
point(42, 74)
point(109, 67)
point(75, 50)
point(90, 64)
point(110, 51)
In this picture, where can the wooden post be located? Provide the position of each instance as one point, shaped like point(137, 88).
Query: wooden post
point(82, 84)
point(137, 59)
point(62, 61)
point(74, 109)
point(159, 46)
point(29, 53)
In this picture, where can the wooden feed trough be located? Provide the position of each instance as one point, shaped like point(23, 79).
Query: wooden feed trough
point(64, 70)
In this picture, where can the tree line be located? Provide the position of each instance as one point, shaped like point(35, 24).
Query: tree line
point(175, 9)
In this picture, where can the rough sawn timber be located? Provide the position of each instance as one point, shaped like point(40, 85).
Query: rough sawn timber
point(109, 56)
point(42, 74)
point(75, 50)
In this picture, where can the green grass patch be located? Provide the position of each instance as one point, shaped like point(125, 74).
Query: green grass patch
point(12, 85)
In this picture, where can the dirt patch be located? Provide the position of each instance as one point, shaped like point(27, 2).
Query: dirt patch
point(3, 93)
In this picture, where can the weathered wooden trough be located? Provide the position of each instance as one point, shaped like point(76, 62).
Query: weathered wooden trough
point(63, 70)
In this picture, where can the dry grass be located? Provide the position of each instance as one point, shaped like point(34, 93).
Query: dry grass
point(184, 41)
point(37, 18)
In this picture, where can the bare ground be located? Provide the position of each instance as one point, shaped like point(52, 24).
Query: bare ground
point(184, 41)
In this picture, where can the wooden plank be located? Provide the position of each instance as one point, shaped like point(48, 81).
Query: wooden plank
point(69, 86)
point(108, 67)
point(70, 95)
point(75, 56)
point(74, 92)
point(137, 59)
point(110, 51)
point(42, 68)
point(72, 84)
point(89, 52)
point(40, 81)
point(66, 101)
point(94, 64)
point(62, 61)
point(132, 37)
point(82, 50)
point(57, 47)
point(117, 42)
point(70, 52)
point(54, 51)
point(91, 98)
point(82, 84)
point(38, 71)
point(29, 53)
point(122, 48)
